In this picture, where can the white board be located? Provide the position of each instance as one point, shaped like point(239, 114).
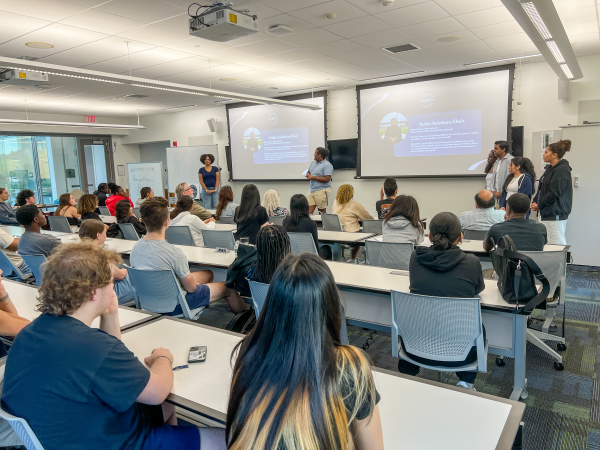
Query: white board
point(145, 174)
point(183, 164)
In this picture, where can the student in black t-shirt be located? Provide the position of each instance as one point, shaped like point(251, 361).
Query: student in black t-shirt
point(299, 221)
point(98, 394)
point(124, 214)
point(444, 270)
point(390, 189)
point(312, 388)
point(250, 217)
point(528, 235)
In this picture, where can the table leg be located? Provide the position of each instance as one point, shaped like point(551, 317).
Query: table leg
point(520, 342)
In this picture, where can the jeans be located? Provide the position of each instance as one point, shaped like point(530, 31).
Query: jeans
point(124, 290)
point(210, 200)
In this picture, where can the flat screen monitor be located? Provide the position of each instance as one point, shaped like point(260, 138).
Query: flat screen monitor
point(343, 153)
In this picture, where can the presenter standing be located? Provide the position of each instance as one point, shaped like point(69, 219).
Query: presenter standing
point(209, 178)
point(554, 196)
point(319, 173)
point(500, 167)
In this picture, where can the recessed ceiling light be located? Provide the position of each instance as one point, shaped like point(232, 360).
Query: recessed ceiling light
point(227, 79)
point(331, 16)
point(448, 39)
point(40, 45)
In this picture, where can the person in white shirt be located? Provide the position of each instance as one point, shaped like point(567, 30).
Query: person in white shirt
point(500, 167)
point(181, 216)
point(9, 245)
point(484, 215)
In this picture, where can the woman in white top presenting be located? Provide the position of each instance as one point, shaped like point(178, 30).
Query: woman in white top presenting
point(489, 171)
point(520, 180)
point(181, 216)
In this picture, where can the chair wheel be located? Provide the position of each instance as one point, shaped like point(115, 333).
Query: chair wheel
point(559, 366)
point(524, 395)
point(562, 347)
point(500, 362)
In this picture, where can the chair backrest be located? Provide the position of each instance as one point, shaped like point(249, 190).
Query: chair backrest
point(35, 264)
point(476, 235)
point(179, 235)
point(20, 426)
point(394, 255)
point(277, 220)
point(129, 232)
point(372, 226)
point(157, 291)
point(331, 222)
point(137, 213)
point(226, 219)
point(259, 294)
point(553, 266)
point(437, 328)
point(302, 243)
point(8, 268)
point(104, 210)
point(59, 223)
point(218, 239)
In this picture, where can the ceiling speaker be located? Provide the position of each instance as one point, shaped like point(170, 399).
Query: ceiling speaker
point(213, 124)
point(564, 89)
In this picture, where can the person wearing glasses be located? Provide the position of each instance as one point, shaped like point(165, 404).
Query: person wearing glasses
point(197, 210)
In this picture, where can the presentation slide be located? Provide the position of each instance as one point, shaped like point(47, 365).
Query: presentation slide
point(274, 142)
point(438, 127)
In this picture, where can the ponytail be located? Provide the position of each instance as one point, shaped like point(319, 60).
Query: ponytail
point(561, 147)
point(445, 230)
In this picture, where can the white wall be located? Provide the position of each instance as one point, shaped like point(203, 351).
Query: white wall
point(153, 152)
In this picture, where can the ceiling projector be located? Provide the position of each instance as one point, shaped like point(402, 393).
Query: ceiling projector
point(221, 23)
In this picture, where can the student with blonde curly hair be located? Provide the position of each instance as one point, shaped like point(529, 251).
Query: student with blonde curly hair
point(271, 204)
point(349, 212)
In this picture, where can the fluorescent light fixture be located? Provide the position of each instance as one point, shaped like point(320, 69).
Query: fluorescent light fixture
point(555, 52)
point(502, 60)
point(537, 20)
point(567, 71)
point(181, 91)
point(66, 75)
point(70, 124)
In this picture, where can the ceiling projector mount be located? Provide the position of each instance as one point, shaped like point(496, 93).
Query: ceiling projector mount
point(221, 22)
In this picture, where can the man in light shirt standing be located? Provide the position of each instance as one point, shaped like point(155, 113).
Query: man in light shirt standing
point(319, 173)
point(500, 167)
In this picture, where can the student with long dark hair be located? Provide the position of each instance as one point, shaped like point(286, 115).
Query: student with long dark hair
point(519, 180)
point(226, 206)
point(124, 214)
point(66, 207)
point(403, 221)
point(444, 270)
point(295, 386)
point(489, 171)
point(250, 216)
point(272, 246)
point(299, 221)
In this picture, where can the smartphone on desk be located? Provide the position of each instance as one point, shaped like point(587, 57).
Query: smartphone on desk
point(197, 355)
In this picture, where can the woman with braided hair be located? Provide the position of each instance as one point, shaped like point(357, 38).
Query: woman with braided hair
point(272, 246)
point(444, 270)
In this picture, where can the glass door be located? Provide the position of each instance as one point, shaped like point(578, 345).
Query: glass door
point(17, 168)
point(96, 151)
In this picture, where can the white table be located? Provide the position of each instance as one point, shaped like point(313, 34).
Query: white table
point(409, 407)
point(108, 219)
point(24, 297)
point(212, 211)
point(342, 237)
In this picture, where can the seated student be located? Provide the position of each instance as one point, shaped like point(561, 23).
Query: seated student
point(7, 212)
point(403, 221)
point(484, 215)
point(250, 217)
point(299, 221)
point(145, 192)
point(390, 189)
point(197, 210)
point(226, 206)
point(102, 194)
point(9, 246)
point(271, 204)
point(444, 270)
point(117, 194)
point(25, 197)
point(124, 214)
point(310, 384)
point(528, 235)
point(349, 212)
point(66, 208)
point(182, 216)
point(33, 242)
point(87, 206)
point(98, 393)
point(10, 321)
point(95, 231)
point(152, 252)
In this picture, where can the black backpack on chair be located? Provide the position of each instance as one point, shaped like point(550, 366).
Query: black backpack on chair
point(517, 274)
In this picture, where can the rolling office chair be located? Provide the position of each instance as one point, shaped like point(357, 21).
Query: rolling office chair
point(179, 235)
point(35, 264)
point(218, 239)
point(8, 269)
point(277, 220)
point(372, 226)
point(394, 255)
point(302, 243)
point(476, 235)
point(129, 232)
point(59, 223)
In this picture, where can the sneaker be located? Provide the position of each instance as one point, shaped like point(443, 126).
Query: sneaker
point(465, 385)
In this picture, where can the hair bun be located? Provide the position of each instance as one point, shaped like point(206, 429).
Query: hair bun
point(565, 144)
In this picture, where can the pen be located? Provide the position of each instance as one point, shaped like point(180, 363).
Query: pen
point(185, 366)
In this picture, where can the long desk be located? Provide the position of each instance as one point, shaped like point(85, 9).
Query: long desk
point(338, 238)
point(409, 406)
point(24, 297)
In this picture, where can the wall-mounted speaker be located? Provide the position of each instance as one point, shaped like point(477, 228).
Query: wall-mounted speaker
point(213, 124)
point(564, 89)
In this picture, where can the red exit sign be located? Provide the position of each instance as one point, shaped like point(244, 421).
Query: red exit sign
point(91, 119)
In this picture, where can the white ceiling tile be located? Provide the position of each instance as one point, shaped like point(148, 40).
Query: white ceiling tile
point(293, 56)
point(261, 63)
point(434, 64)
point(289, 5)
point(152, 35)
point(467, 47)
point(358, 27)
point(505, 41)
point(316, 14)
point(313, 63)
point(445, 25)
point(397, 69)
point(414, 57)
point(256, 37)
point(581, 28)
point(563, 5)
point(232, 54)
point(477, 56)
point(517, 50)
point(375, 6)
point(178, 24)
point(117, 45)
point(146, 11)
point(351, 71)
point(485, 17)
point(310, 37)
point(336, 47)
point(381, 39)
point(369, 56)
point(196, 46)
point(18, 47)
point(268, 47)
point(101, 22)
point(14, 25)
point(410, 15)
point(455, 7)
point(465, 35)
point(161, 54)
point(51, 10)
point(65, 33)
point(284, 19)
point(577, 15)
point(497, 30)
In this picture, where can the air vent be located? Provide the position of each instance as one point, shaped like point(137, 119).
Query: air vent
point(400, 48)
point(136, 96)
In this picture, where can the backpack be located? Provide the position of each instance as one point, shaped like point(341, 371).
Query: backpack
point(517, 274)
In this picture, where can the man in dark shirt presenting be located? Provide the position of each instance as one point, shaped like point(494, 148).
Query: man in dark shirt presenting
point(252, 143)
point(528, 235)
